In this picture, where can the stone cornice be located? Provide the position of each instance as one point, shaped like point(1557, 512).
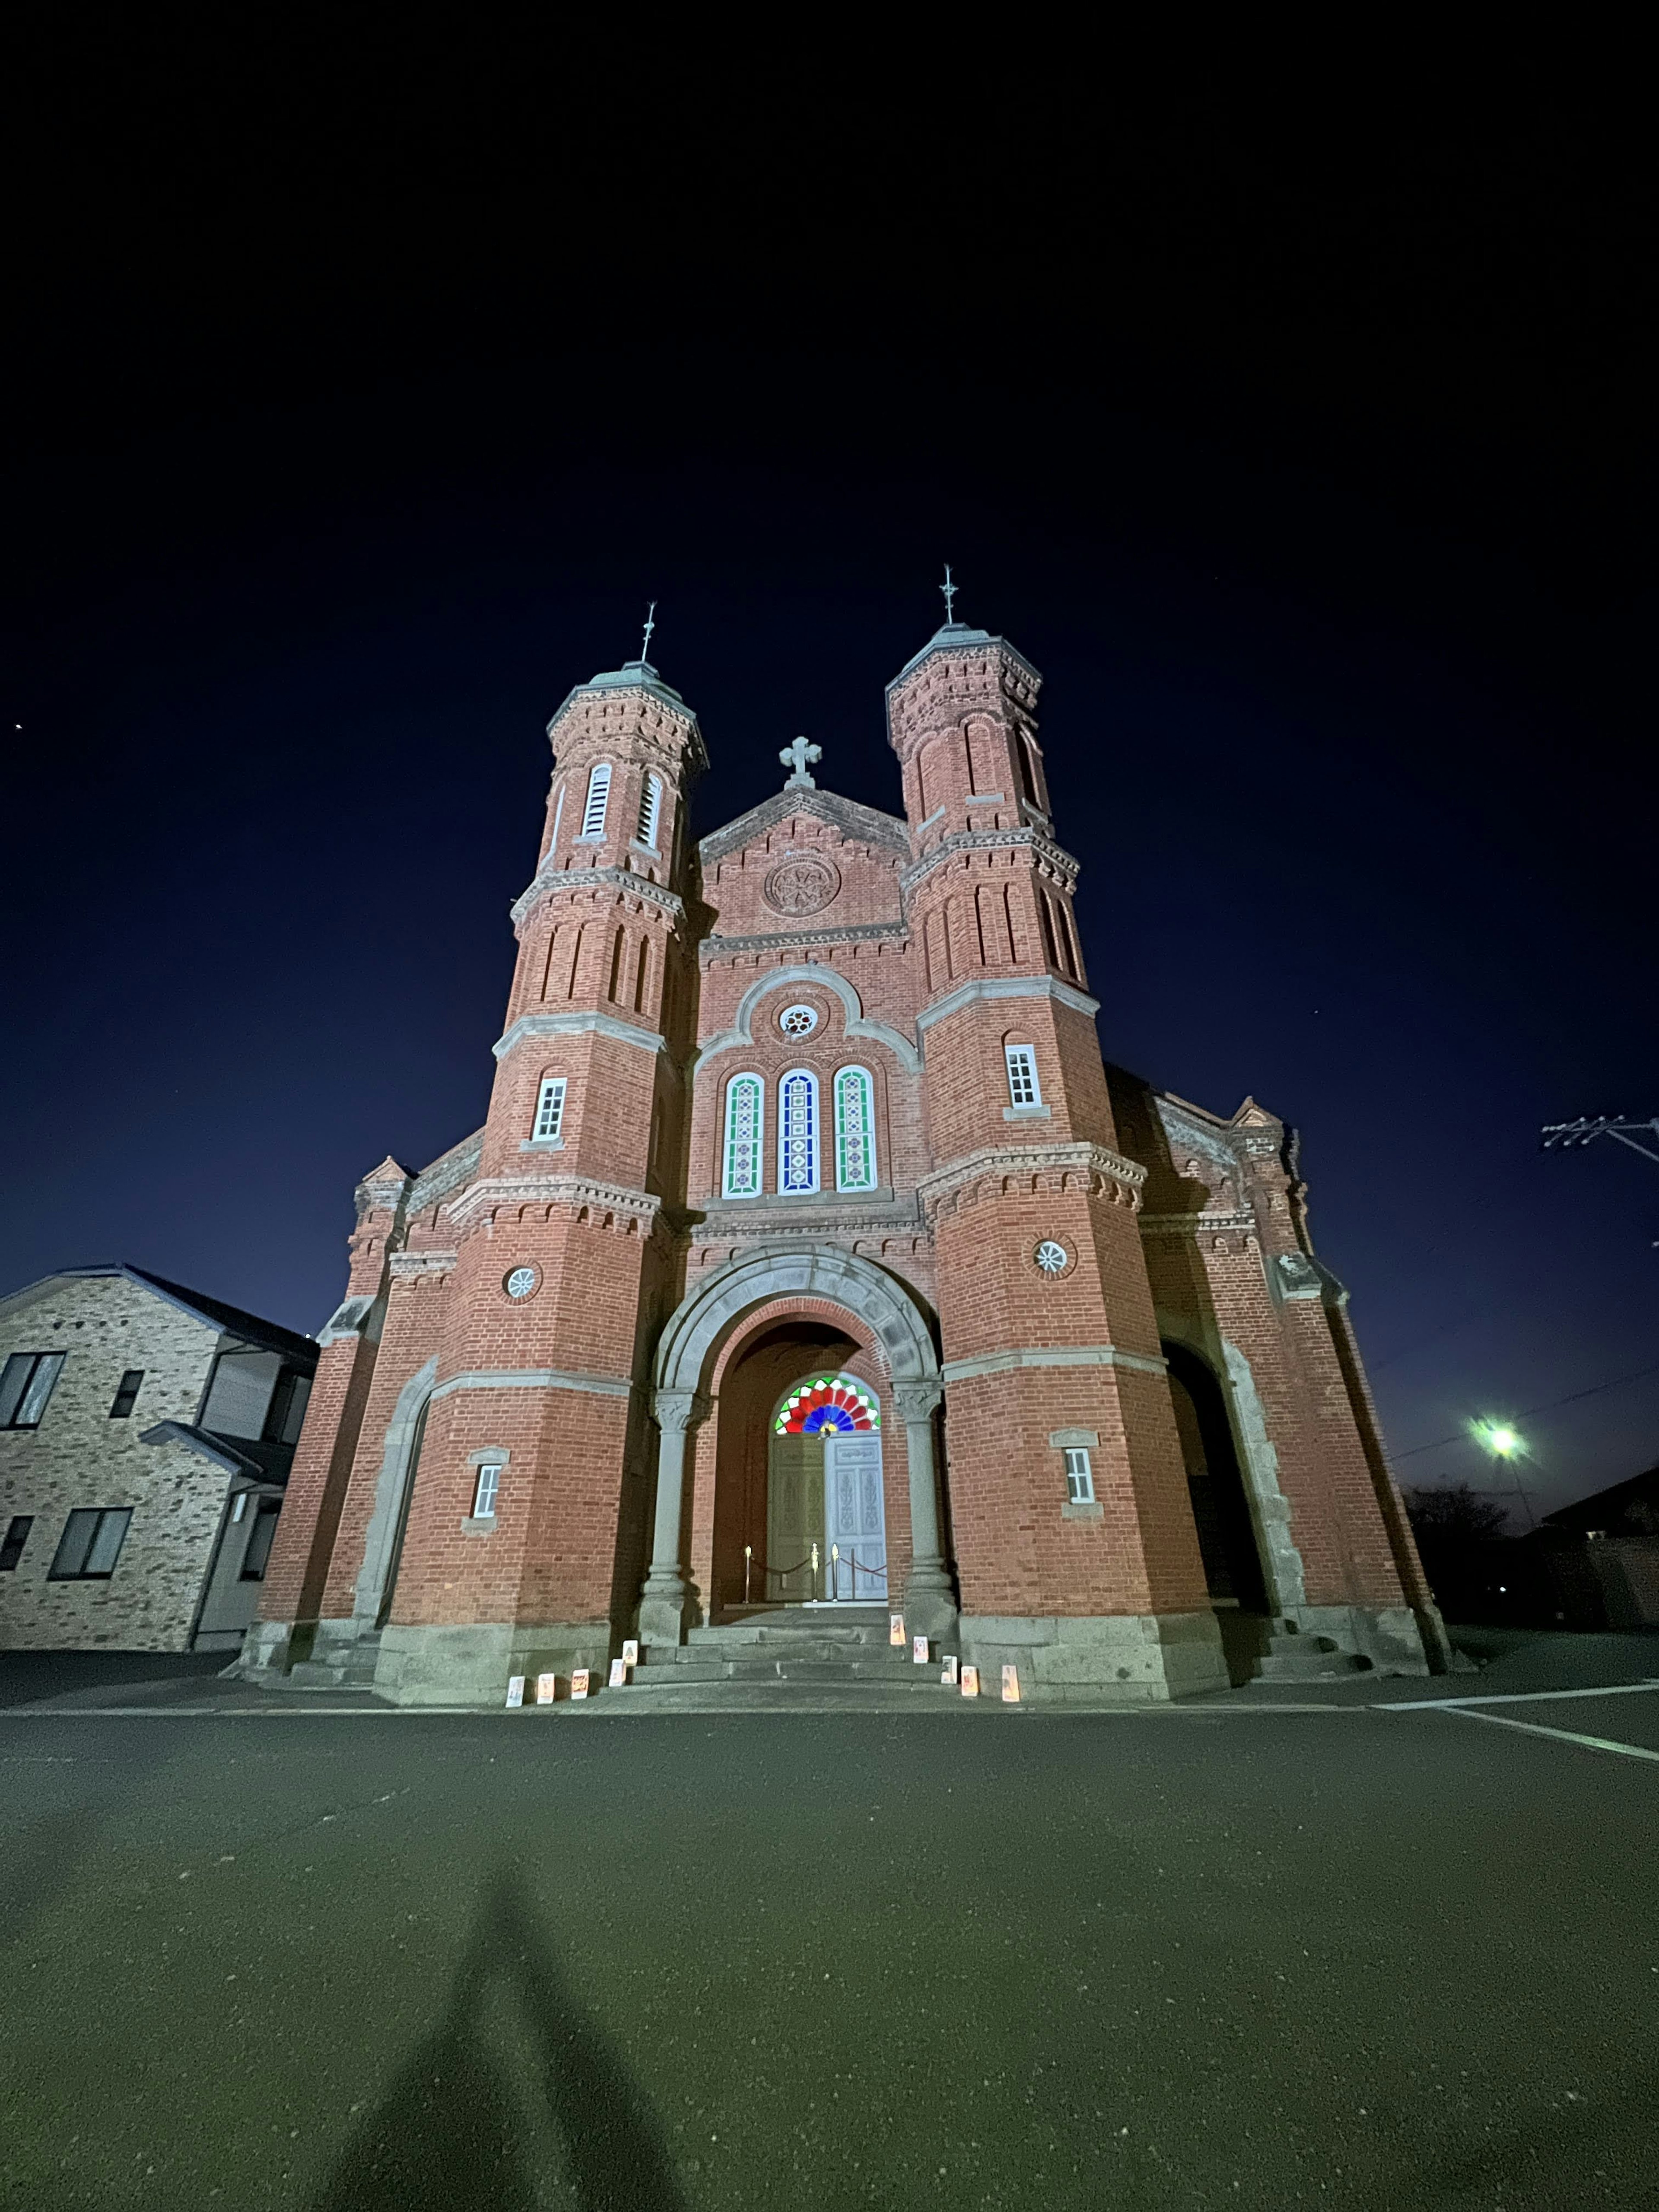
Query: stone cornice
point(422, 1263)
point(1007, 987)
point(1081, 1157)
point(1060, 1355)
point(497, 1192)
point(1189, 1224)
point(621, 880)
point(985, 841)
point(788, 940)
point(579, 1024)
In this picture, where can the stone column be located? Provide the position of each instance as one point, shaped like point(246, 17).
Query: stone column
point(930, 1605)
point(663, 1601)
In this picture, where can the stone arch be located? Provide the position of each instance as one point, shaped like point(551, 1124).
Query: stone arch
point(825, 1271)
point(405, 1433)
point(821, 1274)
point(819, 972)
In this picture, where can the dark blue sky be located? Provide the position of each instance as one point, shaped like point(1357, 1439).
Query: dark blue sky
point(1315, 482)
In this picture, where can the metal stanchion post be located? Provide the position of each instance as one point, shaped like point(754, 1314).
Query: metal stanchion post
point(748, 1555)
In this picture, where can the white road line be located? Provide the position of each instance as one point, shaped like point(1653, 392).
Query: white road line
point(1561, 1735)
point(1514, 1697)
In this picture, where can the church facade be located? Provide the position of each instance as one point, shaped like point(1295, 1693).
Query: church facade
point(810, 1254)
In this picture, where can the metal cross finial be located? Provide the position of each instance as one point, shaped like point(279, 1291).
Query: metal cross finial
point(948, 591)
point(650, 624)
point(796, 756)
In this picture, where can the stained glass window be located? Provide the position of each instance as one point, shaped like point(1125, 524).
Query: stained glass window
point(746, 1122)
point(855, 1130)
point(798, 1133)
point(828, 1404)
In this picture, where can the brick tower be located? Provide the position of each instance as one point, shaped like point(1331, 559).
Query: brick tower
point(1049, 1342)
point(500, 1298)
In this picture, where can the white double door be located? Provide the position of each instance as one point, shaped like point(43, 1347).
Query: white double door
point(853, 1518)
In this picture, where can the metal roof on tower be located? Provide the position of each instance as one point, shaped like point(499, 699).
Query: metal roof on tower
point(951, 637)
point(633, 676)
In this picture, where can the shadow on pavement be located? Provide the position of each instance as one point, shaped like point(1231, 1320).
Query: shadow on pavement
point(26, 1677)
point(470, 2121)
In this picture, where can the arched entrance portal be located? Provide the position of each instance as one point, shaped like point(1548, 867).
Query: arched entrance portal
point(1221, 1510)
point(696, 1381)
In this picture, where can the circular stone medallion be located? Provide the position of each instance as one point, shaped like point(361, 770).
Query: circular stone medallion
point(520, 1283)
point(802, 882)
point(1052, 1257)
point(798, 1021)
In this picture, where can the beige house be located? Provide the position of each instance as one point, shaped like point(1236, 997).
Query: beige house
point(146, 1434)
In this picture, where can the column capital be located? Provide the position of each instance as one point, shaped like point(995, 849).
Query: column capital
point(916, 1400)
point(676, 1411)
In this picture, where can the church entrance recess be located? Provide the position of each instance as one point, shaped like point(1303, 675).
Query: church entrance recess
point(821, 1276)
point(824, 1486)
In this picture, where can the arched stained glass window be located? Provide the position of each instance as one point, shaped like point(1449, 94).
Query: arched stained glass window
point(745, 1129)
point(833, 1405)
point(855, 1130)
point(798, 1133)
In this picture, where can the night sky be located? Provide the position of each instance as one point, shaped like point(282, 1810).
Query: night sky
point(355, 412)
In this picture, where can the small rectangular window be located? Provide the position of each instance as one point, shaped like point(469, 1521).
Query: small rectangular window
point(1079, 1477)
point(25, 1384)
point(17, 1536)
point(550, 1110)
point(90, 1544)
point(286, 1413)
point(127, 1396)
point(257, 1556)
point(650, 807)
point(483, 1498)
point(598, 797)
point(1022, 1089)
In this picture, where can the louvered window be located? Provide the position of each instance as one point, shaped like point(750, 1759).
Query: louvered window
point(599, 798)
point(650, 808)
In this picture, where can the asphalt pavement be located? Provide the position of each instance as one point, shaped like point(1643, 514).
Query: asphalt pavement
point(1232, 1952)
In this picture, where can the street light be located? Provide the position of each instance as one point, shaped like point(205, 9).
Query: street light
point(1505, 1444)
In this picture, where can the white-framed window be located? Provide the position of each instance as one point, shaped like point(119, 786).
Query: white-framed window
point(550, 1110)
point(797, 1134)
point(650, 811)
point(598, 799)
point(1023, 1087)
point(484, 1495)
point(1079, 1476)
point(745, 1135)
point(855, 1130)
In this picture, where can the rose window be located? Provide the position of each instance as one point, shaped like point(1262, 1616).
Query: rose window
point(1054, 1259)
point(798, 1021)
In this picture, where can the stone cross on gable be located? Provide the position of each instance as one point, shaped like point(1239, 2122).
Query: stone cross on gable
point(796, 756)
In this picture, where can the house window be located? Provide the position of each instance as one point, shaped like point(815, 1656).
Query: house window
point(855, 1130)
point(745, 1130)
point(599, 798)
point(257, 1556)
point(484, 1498)
point(90, 1544)
point(1079, 1476)
point(288, 1401)
point(798, 1133)
point(650, 808)
point(550, 1110)
point(26, 1383)
point(1023, 1088)
point(127, 1396)
point(17, 1536)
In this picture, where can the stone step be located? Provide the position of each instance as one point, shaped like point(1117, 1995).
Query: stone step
point(1307, 1666)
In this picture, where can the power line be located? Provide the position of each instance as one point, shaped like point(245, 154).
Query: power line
point(1548, 1405)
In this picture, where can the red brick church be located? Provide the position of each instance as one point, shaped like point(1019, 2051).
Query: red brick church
point(809, 1255)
